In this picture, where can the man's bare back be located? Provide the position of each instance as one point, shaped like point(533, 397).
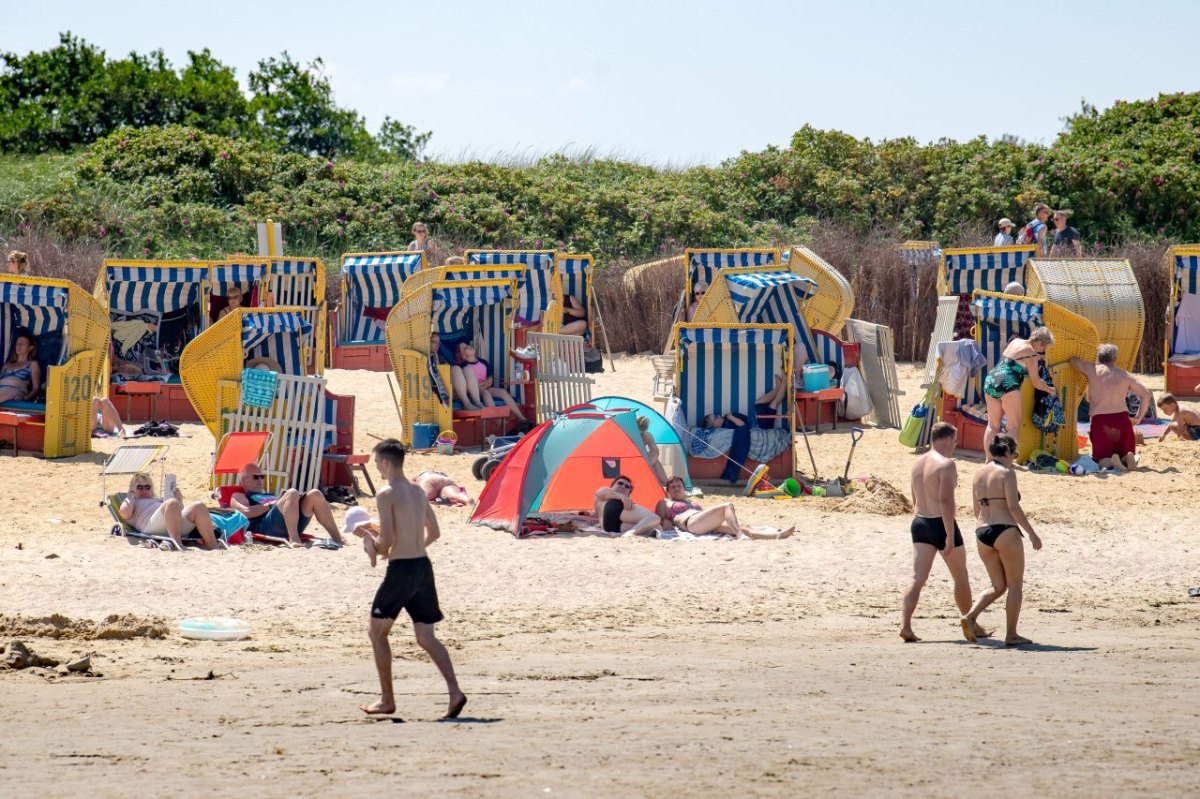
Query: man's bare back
point(405, 516)
point(928, 473)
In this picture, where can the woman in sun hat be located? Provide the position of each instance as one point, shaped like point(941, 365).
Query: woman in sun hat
point(1004, 237)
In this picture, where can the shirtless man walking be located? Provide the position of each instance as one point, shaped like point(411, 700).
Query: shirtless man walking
point(407, 525)
point(934, 478)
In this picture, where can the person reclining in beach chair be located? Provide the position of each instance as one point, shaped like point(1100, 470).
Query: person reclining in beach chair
point(155, 515)
point(285, 516)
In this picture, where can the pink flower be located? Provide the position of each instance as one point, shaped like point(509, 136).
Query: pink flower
point(145, 251)
point(184, 220)
point(222, 155)
point(329, 165)
point(103, 231)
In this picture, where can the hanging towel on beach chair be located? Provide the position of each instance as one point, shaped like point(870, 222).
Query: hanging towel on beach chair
point(258, 387)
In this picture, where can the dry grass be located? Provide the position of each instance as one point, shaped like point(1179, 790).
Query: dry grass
point(77, 260)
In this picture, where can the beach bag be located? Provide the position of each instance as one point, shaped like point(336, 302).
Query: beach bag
point(1028, 234)
point(910, 434)
point(1048, 415)
point(857, 403)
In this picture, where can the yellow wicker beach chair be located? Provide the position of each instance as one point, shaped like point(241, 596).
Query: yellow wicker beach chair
point(1102, 290)
point(833, 302)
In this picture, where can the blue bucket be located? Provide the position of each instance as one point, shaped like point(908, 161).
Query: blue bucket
point(424, 435)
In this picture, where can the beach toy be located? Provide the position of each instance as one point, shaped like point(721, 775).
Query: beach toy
point(424, 435)
point(758, 486)
point(446, 442)
point(215, 628)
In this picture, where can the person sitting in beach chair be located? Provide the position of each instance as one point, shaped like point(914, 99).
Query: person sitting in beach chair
point(21, 375)
point(1185, 422)
point(285, 516)
point(617, 512)
point(154, 515)
point(477, 373)
point(575, 321)
point(233, 298)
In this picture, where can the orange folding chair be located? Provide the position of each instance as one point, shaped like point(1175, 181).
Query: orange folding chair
point(234, 452)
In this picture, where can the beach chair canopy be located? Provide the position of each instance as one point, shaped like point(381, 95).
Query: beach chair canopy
point(557, 467)
point(832, 302)
point(724, 369)
point(1104, 291)
point(223, 277)
point(575, 272)
point(477, 312)
point(703, 265)
point(165, 295)
point(918, 252)
point(40, 310)
point(1184, 336)
point(984, 268)
point(280, 336)
point(535, 282)
point(1001, 318)
point(296, 282)
point(372, 281)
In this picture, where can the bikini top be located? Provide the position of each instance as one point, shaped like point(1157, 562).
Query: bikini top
point(680, 506)
point(22, 372)
point(988, 500)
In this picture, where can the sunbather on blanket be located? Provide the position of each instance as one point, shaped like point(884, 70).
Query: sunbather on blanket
point(686, 514)
point(617, 512)
point(157, 516)
point(441, 489)
point(284, 516)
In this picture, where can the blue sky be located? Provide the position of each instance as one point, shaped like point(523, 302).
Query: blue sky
point(672, 82)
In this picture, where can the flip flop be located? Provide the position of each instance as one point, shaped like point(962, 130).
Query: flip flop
point(1194, 592)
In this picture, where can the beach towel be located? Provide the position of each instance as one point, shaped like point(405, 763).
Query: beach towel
point(258, 387)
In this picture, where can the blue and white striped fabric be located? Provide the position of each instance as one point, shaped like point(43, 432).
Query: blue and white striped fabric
point(984, 270)
point(703, 265)
point(372, 281)
point(293, 283)
point(1187, 273)
point(774, 298)
point(38, 309)
point(576, 274)
point(534, 287)
point(916, 257)
point(999, 321)
point(475, 314)
point(153, 289)
point(222, 277)
point(278, 336)
point(829, 349)
point(724, 370)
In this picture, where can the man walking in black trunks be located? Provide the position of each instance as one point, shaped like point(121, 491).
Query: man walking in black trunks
point(934, 530)
point(407, 525)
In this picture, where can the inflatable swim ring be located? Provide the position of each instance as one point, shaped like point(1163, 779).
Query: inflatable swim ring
point(214, 629)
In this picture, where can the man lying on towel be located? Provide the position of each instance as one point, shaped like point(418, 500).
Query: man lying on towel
point(284, 516)
point(1113, 443)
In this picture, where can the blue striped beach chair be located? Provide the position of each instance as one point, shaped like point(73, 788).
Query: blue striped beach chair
point(770, 294)
point(1181, 357)
point(723, 368)
point(575, 276)
point(284, 336)
point(536, 284)
point(965, 271)
point(370, 282)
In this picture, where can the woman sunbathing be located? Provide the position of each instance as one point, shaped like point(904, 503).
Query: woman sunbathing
point(687, 515)
point(21, 376)
point(154, 515)
point(441, 489)
point(575, 321)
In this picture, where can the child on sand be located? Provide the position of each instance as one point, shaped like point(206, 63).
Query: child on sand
point(1185, 422)
point(407, 525)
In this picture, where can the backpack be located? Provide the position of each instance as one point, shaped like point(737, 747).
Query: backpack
point(1028, 234)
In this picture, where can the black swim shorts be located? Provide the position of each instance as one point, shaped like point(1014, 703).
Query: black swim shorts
point(611, 520)
point(408, 585)
point(933, 531)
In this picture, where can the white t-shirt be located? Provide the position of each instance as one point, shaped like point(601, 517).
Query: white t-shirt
point(1003, 240)
point(143, 511)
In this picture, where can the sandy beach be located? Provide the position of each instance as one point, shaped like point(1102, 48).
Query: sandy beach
point(612, 667)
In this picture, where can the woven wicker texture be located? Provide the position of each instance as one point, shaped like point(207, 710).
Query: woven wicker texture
point(1074, 337)
point(71, 385)
point(212, 356)
point(1103, 291)
point(833, 303)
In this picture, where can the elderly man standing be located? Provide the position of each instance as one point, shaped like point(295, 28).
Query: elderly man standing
point(1113, 443)
point(284, 516)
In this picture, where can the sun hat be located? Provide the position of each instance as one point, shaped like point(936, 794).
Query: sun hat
point(1005, 222)
point(355, 517)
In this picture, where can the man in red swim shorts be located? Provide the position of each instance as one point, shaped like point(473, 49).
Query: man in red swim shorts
point(1113, 442)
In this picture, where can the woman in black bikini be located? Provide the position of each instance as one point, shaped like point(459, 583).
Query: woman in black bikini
point(998, 511)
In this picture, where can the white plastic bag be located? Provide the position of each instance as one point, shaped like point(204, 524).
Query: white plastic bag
point(857, 403)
